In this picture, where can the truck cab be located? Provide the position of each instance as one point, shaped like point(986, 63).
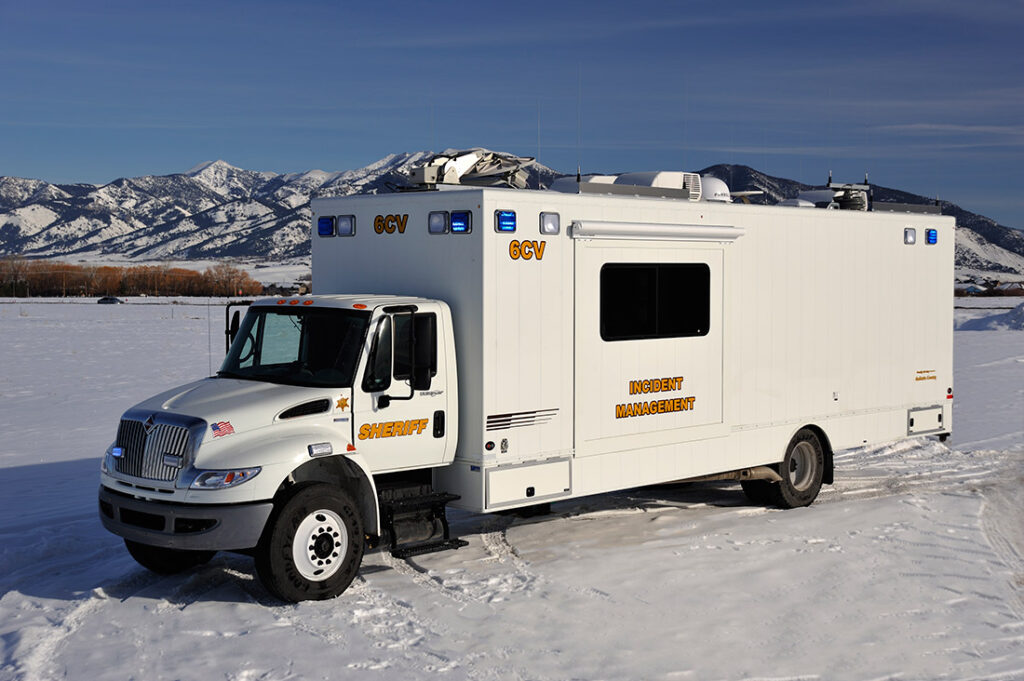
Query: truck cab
point(316, 393)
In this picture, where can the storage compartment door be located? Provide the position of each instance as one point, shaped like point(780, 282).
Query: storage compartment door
point(528, 483)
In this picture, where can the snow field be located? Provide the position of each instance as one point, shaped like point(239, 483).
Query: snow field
point(911, 566)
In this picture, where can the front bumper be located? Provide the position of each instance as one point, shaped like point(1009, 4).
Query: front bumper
point(197, 527)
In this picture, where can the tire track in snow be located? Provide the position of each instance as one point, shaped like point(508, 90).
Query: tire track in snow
point(38, 663)
point(201, 581)
point(397, 627)
point(405, 638)
point(907, 466)
point(467, 585)
point(425, 578)
point(1005, 539)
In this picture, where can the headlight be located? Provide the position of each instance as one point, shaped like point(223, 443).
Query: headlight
point(223, 479)
point(107, 462)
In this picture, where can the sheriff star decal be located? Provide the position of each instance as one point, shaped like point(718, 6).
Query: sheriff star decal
point(343, 403)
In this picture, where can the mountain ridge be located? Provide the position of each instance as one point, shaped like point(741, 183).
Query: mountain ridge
point(218, 210)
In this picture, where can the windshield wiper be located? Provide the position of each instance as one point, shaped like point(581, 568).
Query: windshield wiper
point(230, 374)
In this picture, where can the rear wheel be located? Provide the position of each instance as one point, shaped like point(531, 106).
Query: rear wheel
point(312, 546)
point(801, 470)
point(164, 561)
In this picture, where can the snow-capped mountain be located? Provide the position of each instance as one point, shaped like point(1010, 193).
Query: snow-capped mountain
point(216, 210)
point(213, 210)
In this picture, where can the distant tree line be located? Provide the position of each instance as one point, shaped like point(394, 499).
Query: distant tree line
point(20, 277)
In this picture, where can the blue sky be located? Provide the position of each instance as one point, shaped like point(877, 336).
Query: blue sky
point(925, 96)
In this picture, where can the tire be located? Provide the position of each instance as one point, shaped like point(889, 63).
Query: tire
point(801, 469)
point(312, 546)
point(165, 561)
point(758, 491)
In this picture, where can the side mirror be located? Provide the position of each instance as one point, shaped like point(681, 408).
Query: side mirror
point(233, 329)
point(231, 323)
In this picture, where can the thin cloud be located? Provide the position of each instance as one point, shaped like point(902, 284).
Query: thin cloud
point(954, 129)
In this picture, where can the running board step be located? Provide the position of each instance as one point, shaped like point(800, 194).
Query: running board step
point(410, 551)
point(417, 523)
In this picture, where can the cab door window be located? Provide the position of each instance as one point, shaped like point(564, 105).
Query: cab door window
point(421, 346)
point(404, 349)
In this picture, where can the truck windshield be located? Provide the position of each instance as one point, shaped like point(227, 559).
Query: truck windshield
point(297, 346)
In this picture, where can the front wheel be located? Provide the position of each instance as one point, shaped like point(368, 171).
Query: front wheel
point(165, 561)
point(802, 470)
point(312, 546)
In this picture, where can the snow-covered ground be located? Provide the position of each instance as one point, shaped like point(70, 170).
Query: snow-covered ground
point(910, 567)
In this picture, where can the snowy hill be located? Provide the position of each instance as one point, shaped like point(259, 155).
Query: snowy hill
point(216, 210)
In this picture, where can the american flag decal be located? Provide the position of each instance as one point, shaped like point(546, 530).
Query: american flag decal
point(222, 428)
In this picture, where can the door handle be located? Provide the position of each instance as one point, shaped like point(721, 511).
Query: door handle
point(439, 423)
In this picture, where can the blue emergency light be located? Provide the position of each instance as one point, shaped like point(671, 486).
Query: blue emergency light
point(504, 221)
point(461, 222)
point(325, 225)
point(931, 236)
point(117, 452)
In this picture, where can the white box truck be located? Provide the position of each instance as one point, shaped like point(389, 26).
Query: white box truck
point(494, 349)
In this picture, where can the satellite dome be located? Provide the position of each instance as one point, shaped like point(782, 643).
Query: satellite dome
point(714, 189)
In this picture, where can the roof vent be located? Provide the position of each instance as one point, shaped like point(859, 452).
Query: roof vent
point(664, 179)
point(662, 183)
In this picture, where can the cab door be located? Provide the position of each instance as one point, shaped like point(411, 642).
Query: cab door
point(401, 400)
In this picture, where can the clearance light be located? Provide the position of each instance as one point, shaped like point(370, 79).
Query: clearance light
point(437, 222)
point(346, 225)
point(549, 223)
point(504, 221)
point(462, 222)
point(931, 236)
point(224, 479)
point(910, 236)
point(325, 225)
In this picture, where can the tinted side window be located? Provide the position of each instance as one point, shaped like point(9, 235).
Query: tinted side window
point(655, 300)
point(424, 328)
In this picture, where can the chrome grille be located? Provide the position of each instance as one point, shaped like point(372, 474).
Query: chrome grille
point(147, 455)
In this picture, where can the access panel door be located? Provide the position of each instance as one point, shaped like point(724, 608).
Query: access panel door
point(648, 344)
